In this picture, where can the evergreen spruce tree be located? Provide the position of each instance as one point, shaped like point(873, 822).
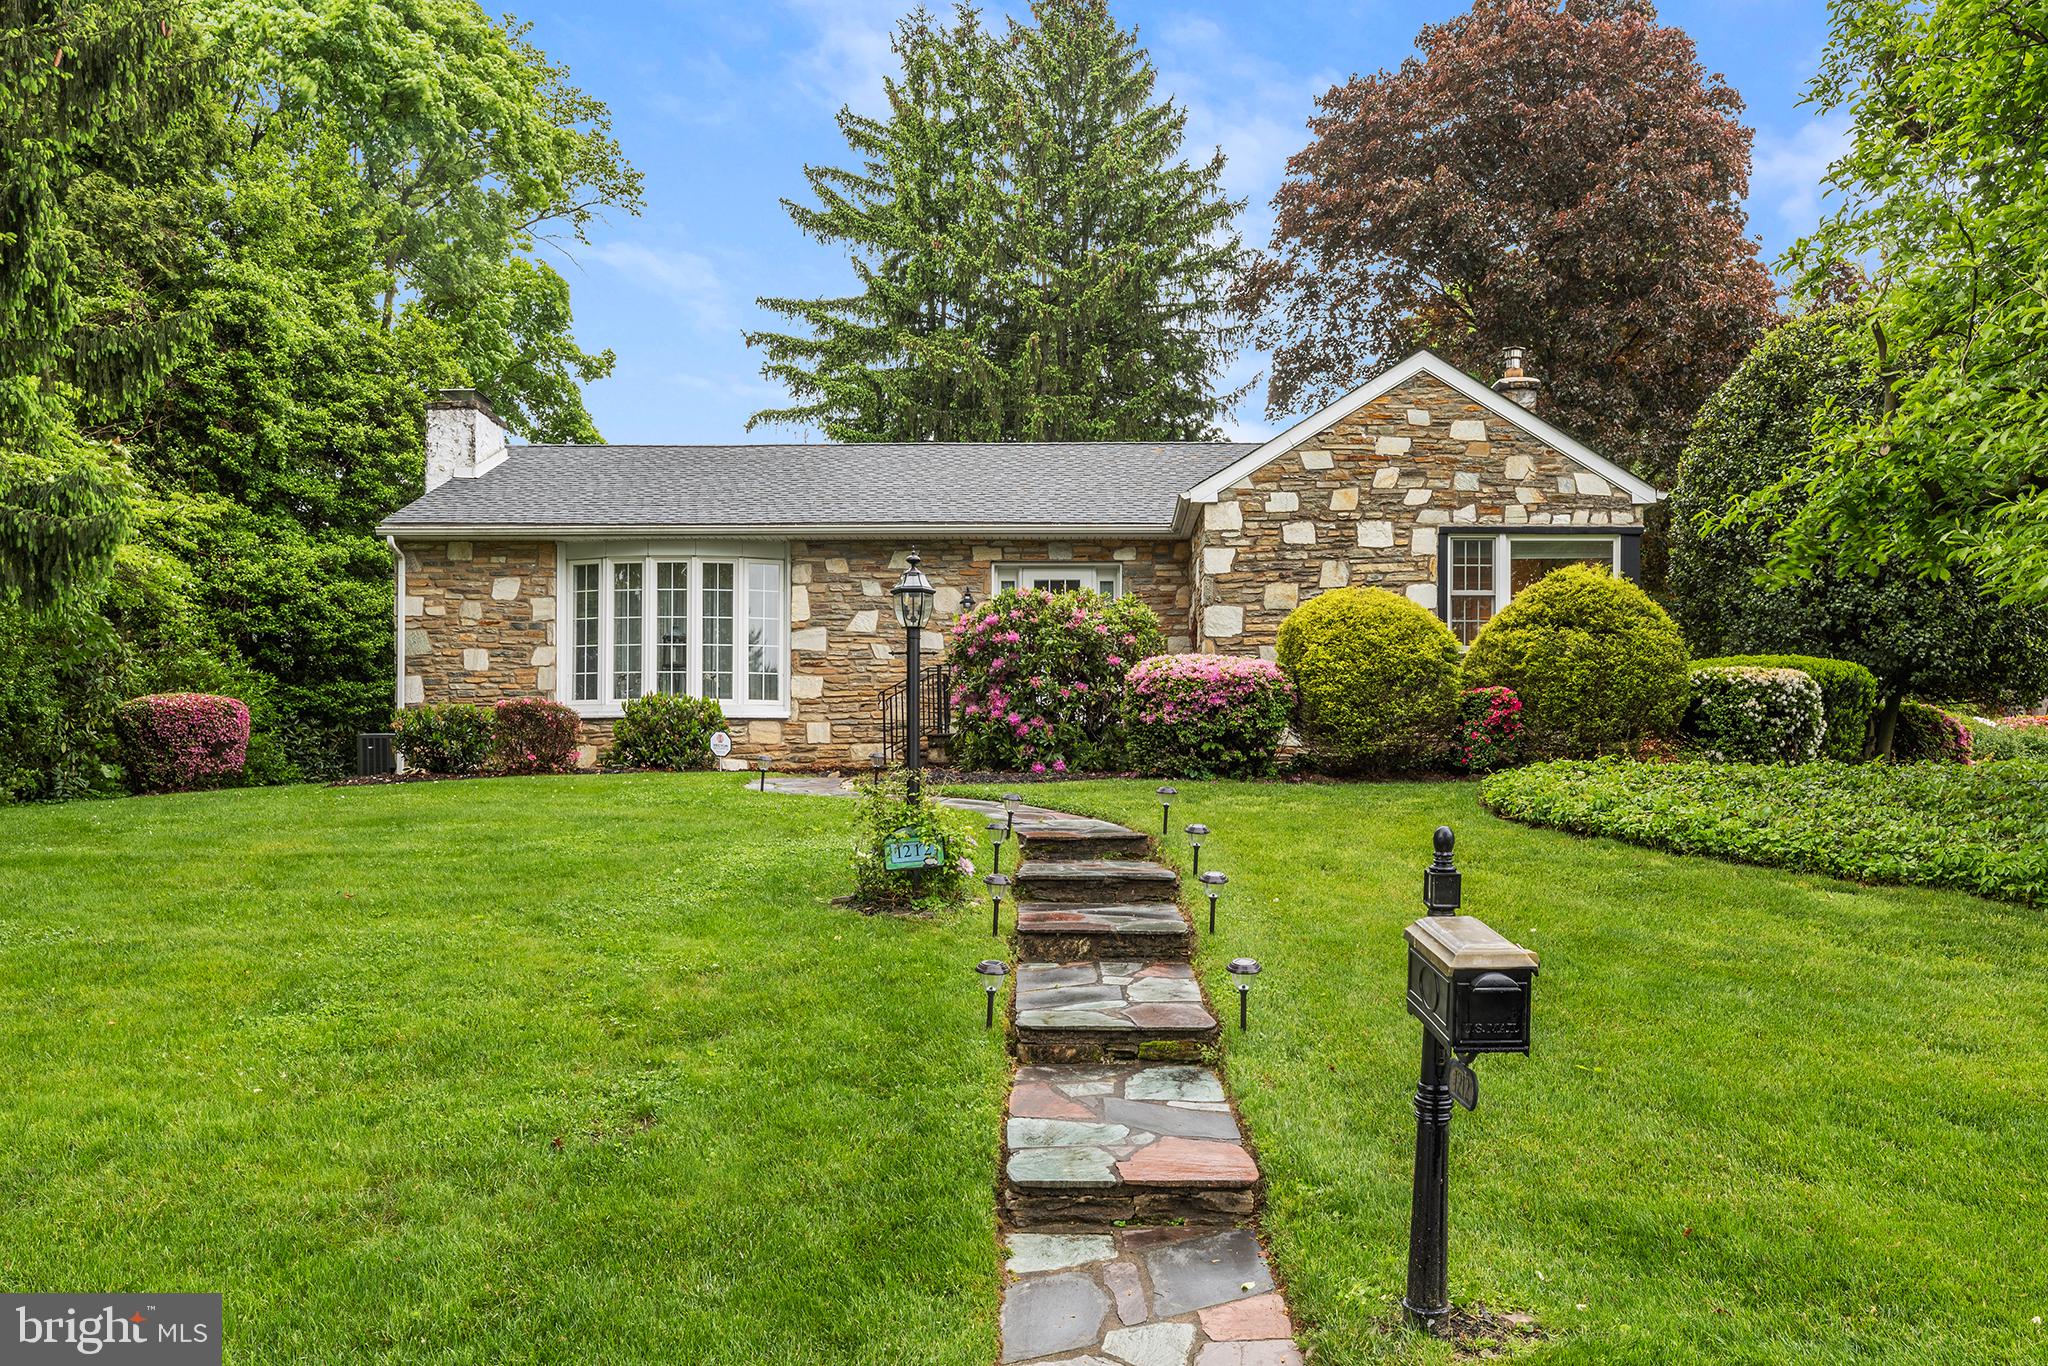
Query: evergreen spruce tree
point(1035, 259)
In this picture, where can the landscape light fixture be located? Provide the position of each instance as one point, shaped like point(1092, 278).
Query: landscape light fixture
point(913, 594)
point(1243, 969)
point(966, 600)
point(992, 971)
point(1166, 796)
point(1011, 801)
point(998, 831)
point(995, 883)
point(1196, 834)
point(762, 762)
point(876, 763)
point(1212, 880)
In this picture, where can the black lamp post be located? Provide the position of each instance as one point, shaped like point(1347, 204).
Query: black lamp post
point(1166, 796)
point(1243, 969)
point(1213, 880)
point(998, 831)
point(991, 970)
point(1196, 834)
point(995, 883)
point(762, 762)
point(913, 593)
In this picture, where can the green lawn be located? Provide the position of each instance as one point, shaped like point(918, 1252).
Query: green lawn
point(1770, 1117)
point(579, 1069)
point(588, 1069)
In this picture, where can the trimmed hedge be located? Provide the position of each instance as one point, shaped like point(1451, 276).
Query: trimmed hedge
point(1929, 735)
point(1848, 696)
point(452, 738)
point(181, 742)
point(1747, 715)
point(1981, 828)
point(1375, 679)
point(1599, 667)
point(665, 730)
point(1205, 716)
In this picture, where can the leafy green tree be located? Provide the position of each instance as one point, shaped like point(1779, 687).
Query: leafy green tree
point(1035, 258)
point(1933, 638)
point(1943, 188)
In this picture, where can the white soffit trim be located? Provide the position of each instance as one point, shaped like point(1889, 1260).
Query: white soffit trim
point(1388, 380)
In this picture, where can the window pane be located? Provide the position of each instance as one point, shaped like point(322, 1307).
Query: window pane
point(715, 614)
point(1533, 557)
point(1469, 613)
point(626, 630)
point(764, 632)
point(1471, 566)
point(672, 626)
point(584, 585)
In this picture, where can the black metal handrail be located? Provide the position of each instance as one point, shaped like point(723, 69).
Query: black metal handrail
point(934, 707)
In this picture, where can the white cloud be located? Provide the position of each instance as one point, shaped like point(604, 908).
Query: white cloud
point(1786, 176)
point(691, 281)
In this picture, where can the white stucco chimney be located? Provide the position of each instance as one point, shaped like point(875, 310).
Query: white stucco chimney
point(1514, 385)
point(464, 439)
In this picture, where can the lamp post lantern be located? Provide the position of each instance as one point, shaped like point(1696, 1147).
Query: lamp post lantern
point(991, 970)
point(1214, 881)
point(1196, 834)
point(913, 593)
point(998, 831)
point(1243, 969)
point(1166, 796)
point(995, 883)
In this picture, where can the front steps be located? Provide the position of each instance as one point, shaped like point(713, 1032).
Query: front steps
point(1049, 932)
point(1093, 881)
point(1116, 1011)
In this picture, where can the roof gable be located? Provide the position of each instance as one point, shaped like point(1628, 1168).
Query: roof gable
point(1441, 370)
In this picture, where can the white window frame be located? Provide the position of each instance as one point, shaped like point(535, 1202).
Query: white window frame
point(742, 555)
point(1503, 560)
point(1104, 572)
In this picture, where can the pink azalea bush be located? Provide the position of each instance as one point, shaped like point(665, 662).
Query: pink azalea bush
point(1038, 678)
point(1205, 716)
point(535, 735)
point(179, 742)
point(1929, 735)
point(1489, 730)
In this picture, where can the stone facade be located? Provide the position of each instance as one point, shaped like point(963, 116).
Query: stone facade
point(479, 620)
point(1363, 502)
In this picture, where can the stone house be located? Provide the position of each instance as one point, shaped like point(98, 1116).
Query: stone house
point(760, 574)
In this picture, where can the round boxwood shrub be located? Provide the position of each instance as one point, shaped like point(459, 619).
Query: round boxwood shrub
point(1598, 666)
point(1929, 735)
point(1205, 716)
point(447, 737)
point(1848, 696)
point(1747, 715)
point(180, 742)
point(1375, 679)
point(664, 730)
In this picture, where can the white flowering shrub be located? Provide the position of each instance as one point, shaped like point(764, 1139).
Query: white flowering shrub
point(1746, 714)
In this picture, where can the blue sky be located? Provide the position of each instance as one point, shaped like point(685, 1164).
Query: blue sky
point(720, 104)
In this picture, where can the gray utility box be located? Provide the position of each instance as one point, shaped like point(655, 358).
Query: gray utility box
point(1470, 987)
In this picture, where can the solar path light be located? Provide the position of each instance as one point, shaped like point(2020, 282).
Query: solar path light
point(763, 762)
point(1196, 834)
point(991, 970)
point(913, 594)
point(1243, 969)
point(1011, 801)
point(998, 831)
point(1471, 989)
point(995, 883)
point(1214, 881)
point(1166, 796)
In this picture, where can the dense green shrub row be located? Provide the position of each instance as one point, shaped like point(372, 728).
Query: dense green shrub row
point(1848, 696)
point(1977, 828)
point(517, 735)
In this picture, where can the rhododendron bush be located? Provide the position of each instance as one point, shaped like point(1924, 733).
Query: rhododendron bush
point(1038, 678)
point(1206, 716)
point(1489, 730)
point(535, 735)
point(176, 742)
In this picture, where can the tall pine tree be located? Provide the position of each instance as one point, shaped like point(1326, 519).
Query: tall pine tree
point(1035, 259)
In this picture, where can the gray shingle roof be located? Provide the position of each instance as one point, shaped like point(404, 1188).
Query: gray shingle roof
point(1064, 484)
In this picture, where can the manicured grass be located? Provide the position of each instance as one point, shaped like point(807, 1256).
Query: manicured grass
point(1770, 1117)
point(521, 1070)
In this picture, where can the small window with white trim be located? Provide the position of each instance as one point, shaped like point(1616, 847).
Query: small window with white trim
point(713, 626)
point(1483, 573)
point(1106, 579)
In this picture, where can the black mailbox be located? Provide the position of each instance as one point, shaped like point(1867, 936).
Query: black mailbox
point(1470, 987)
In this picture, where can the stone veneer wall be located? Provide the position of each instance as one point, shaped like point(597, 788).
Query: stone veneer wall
point(480, 625)
point(1362, 502)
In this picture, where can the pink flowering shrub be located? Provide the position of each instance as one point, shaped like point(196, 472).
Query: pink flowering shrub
point(1205, 716)
point(535, 735)
point(1038, 678)
point(179, 742)
point(1929, 735)
point(1489, 730)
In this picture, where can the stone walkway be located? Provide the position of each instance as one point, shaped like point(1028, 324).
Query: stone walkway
point(1128, 1191)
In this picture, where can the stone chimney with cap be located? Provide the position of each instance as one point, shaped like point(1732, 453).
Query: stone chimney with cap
point(1514, 385)
point(464, 438)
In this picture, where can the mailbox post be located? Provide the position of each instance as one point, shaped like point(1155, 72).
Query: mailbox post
point(1471, 989)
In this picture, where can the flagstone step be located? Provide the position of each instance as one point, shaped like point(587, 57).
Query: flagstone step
point(1110, 1011)
point(1077, 837)
point(1158, 1296)
point(1112, 1144)
point(1096, 882)
point(1048, 931)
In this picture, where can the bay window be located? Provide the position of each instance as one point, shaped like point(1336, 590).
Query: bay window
point(1481, 573)
point(672, 619)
